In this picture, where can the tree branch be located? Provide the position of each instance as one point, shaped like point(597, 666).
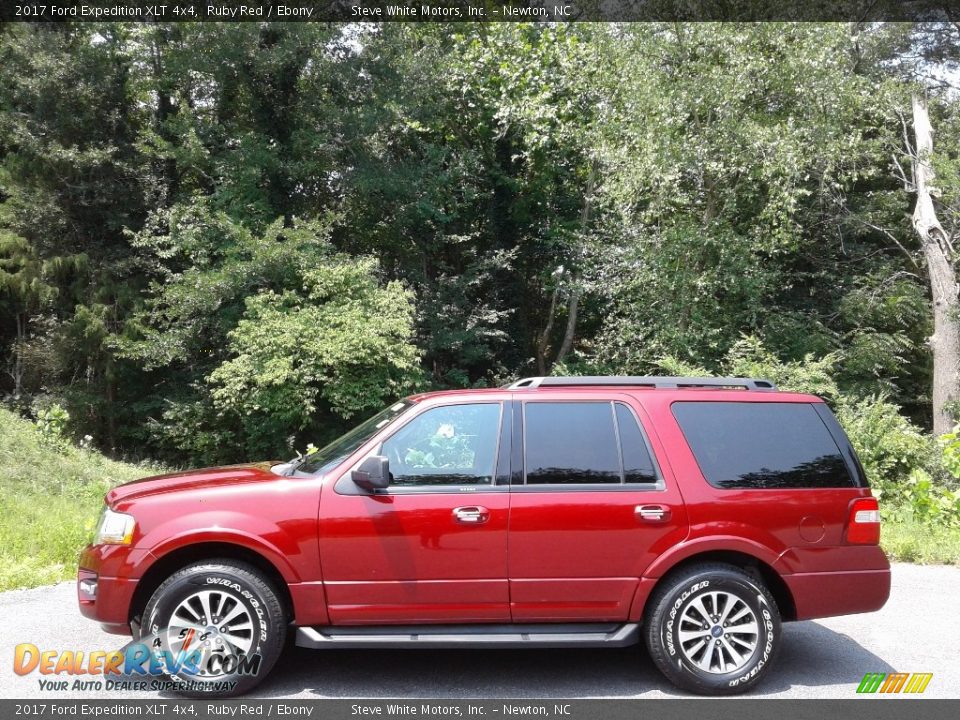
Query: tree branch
point(890, 236)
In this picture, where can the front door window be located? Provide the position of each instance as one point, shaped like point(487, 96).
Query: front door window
point(450, 445)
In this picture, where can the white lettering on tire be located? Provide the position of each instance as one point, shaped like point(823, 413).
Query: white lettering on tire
point(767, 647)
point(668, 628)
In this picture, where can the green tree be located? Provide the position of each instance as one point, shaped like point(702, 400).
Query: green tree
point(494, 200)
point(741, 161)
point(471, 177)
point(341, 347)
point(71, 180)
point(212, 269)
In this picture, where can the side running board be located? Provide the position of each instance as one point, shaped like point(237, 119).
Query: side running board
point(472, 636)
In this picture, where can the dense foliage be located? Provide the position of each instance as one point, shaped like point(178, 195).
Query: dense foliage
point(220, 242)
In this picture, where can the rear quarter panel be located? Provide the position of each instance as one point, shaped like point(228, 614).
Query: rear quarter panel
point(798, 532)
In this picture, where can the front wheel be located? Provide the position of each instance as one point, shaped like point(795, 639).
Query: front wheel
point(713, 629)
point(218, 627)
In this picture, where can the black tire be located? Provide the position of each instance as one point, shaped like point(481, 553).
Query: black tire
point(233, 585)
point(678, 600)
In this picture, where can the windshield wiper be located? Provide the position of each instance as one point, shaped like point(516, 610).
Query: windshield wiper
point(294, 464)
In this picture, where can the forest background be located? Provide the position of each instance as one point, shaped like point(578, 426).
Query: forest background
point(226, 242)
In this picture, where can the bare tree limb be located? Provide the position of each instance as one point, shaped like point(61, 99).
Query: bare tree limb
point(908, 185)
point(890, 236)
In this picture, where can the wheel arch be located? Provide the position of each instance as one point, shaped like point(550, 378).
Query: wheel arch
point(746, 561)
point(179, 558)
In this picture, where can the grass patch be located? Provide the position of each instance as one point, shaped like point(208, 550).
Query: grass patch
point(50, 496)
point(919, 543)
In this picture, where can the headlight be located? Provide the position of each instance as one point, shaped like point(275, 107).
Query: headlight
point(114, 529)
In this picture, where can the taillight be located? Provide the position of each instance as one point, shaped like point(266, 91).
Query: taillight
point(863, 526)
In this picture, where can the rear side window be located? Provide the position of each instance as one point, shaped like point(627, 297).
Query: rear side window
point(570, 443)
point(762, 445)
point(584, 443)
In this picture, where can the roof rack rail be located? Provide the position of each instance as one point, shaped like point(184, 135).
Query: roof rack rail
point(644, 381)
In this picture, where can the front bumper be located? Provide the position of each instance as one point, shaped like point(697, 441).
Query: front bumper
point(106, 582)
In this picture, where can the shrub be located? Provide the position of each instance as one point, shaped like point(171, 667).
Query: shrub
point(749, 358)
point(950, 452)
point(890, 447)
point(52, 423)
point(921, 500)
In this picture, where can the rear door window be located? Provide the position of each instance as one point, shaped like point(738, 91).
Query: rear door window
point(585, 443)
point(570, 443)
point(762, 445)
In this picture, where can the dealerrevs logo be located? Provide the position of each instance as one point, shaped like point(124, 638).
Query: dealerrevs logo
point(141, 665)
point(894, 682)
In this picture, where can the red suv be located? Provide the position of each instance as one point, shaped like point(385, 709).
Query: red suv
point(696, 514)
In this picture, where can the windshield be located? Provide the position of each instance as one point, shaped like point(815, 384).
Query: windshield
point(331, 455)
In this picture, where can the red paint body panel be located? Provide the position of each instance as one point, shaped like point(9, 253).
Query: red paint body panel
point(417, 602)
point(246, 506)
point(578, 555)
point(831, 559)
point(769, 518)
point(404, 558)
point(541, 556)
point(818, 595)
point(572, 599)
point(644, 588)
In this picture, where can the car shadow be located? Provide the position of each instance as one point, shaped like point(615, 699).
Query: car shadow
point(811, 656)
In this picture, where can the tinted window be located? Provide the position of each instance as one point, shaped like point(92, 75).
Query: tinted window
point(637, 463)
point(451, 445)
point(570, 443)
point(762, 445)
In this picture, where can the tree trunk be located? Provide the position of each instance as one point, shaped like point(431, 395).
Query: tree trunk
point(945, 342)
point(544, 340)
point(165, 109)
point(573, 304)
point(18, 357)
point(573, 300)
point(572, 310)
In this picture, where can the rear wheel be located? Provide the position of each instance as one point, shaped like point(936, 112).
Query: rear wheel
point(713, 629)
point(221, 624)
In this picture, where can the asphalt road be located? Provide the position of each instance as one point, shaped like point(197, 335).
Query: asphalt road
point(917, 631)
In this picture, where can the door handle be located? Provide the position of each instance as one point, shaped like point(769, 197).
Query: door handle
point(471, 515)
point(652, 513)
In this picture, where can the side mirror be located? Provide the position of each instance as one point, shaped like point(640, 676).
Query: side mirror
point(373, 473)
